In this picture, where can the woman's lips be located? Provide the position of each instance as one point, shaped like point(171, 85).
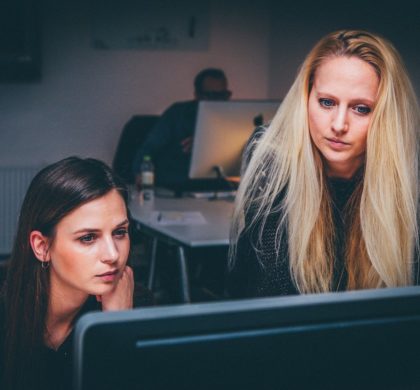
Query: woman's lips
point(108, 276)
point(337, 144)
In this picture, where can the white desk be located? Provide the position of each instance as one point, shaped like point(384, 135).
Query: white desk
point(214, 232)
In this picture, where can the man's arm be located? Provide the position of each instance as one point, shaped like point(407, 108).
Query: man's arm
point(160, 136)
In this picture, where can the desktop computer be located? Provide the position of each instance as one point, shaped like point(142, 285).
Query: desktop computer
point(347, 340)
point(221, 133)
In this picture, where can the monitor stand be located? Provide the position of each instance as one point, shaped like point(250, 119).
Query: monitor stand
point(219, 187)
point(224, 183)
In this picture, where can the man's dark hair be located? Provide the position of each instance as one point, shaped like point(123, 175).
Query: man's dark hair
point(209, 72)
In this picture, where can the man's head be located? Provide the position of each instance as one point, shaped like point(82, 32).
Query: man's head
point(211, 84)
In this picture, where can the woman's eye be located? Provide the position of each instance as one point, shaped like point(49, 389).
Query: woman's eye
point(121, 232)
point(362, 110)
point(87, 238)
point(326, 102)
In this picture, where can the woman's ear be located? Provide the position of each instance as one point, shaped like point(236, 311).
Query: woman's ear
point(40, 245)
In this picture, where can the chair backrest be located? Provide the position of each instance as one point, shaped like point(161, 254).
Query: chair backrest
point(132, 136)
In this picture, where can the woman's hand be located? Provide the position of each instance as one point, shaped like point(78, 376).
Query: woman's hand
point(121, 297)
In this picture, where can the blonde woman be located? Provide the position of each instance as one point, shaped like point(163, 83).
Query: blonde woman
point(329, 197)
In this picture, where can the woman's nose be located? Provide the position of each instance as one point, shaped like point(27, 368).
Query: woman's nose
point(110, 252)
point(339, 122)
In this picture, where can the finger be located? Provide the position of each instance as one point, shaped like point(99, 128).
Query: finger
point(127, 275)
point(128, 270)
point(130, 275)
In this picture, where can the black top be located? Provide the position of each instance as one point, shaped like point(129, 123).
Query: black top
point(54, 368)
point(259, 272)
point(57, 365)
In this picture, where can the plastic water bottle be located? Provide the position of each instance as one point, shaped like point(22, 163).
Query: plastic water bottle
point(147, 171)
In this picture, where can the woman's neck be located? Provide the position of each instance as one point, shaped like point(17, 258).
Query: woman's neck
point(345, 171)
point(60, 317)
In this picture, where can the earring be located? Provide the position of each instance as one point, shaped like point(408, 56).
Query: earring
point(45, 264)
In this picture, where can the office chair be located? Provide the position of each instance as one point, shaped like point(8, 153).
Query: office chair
point(132, 136)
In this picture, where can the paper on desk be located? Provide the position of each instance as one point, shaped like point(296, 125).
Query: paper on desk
point(180, 218)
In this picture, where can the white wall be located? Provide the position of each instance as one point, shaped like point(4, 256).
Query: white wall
point(86, 95)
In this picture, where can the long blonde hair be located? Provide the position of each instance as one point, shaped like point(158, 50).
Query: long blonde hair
point(382, 234)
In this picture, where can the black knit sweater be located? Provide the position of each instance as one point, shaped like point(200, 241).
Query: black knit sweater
point(259, 272)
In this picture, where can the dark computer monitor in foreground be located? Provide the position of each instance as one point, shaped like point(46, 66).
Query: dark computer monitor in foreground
point(354, 340)
point(221, 132)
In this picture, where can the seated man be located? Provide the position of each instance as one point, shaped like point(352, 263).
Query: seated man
point(169, 142)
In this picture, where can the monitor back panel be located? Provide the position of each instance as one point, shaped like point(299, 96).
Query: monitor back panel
point(370, 345)
point(222, 130)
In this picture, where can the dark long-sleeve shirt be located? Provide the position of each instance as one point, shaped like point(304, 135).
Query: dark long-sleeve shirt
point(163, 144)
point(260, 272)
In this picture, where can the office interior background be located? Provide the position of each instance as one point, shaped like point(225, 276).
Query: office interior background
point(87, 92)
point(86, 95)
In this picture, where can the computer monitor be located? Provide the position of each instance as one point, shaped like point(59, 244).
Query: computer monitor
point(352, 340)
point(221, 132)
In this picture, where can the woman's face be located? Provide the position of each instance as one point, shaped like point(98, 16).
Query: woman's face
point(90, 248)
point(340, 107)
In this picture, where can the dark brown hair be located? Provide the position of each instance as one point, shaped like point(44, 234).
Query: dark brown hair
point(55, 191)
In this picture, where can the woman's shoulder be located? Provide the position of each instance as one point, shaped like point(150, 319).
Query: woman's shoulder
point(251, 145)
point(256, 137)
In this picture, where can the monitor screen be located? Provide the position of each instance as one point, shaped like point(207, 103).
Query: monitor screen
point(350, 340)
point(221, 132)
